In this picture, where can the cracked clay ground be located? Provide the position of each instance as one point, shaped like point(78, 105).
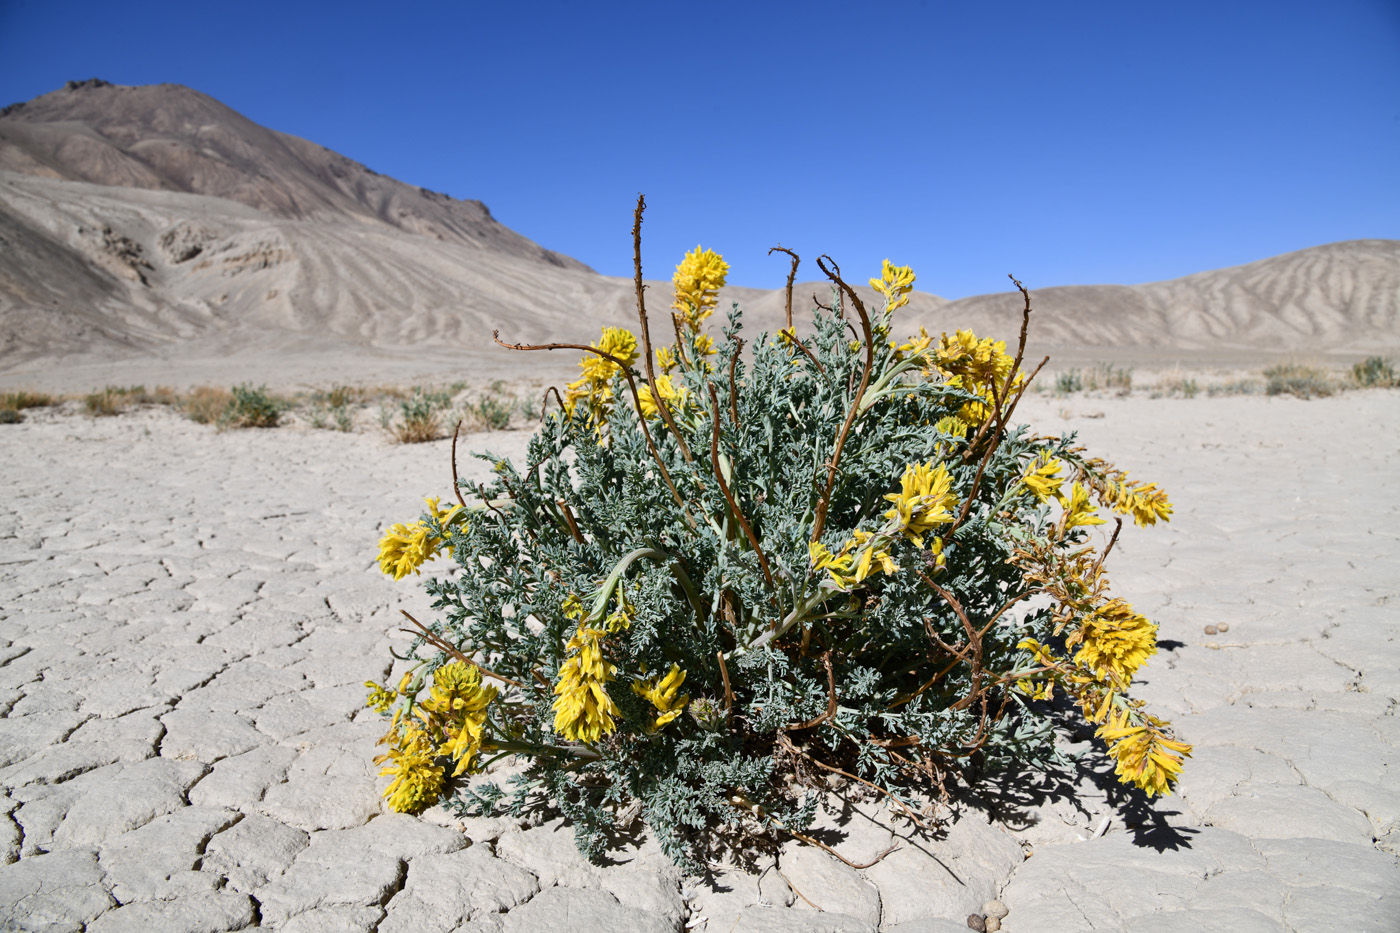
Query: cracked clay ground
point(186, 619)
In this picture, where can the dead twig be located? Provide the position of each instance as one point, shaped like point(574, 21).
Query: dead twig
point(544, 401)
point(661, 404)
point(427, 635)
point(834, 273)
point(724, 675)
point(728, 496)
point(792, 276)
point(456, 489)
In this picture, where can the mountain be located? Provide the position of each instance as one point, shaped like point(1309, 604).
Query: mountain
point(153, 234)
point(1338, 297)
point(165, 137)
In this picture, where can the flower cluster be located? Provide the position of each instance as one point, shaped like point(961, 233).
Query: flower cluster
point(895, 283)
point(405, 548)
point(981, 367)
point(663, 695)
point(697, 281)
point(583, 709)
point(594, 389)
point(448, 725)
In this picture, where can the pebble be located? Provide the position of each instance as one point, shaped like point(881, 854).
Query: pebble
point(1222, 627)
point(1211, 629)
point(975, 922)
point(995, 910)
point(993, 925)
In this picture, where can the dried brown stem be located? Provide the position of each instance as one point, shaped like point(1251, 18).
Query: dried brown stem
point(544, 402)
point(733, 386)
point(728, 496)
point(1117, 527)
point(456, 489)
point(569, 518)
point(724, 675)
point(792, 276)
point(427, 635)
point(834, 273)
point(789, 746)
point(661, 404)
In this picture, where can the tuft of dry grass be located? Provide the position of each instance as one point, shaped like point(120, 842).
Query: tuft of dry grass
point(113, 400)
point(1298, 379)
point(20, 400)
point(419, 430)
point(206, 404)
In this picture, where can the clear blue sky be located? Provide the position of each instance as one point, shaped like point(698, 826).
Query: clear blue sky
point(1069, 143)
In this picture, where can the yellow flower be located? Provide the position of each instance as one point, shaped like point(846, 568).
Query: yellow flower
point(666, 359)
point(457, 707)
point(404, 548)
point(698, 279)
point(594, 387)
point(1143, 753)
point(923, 501)
point(838, 566)
point(874, 555)
point(583, 711)
point(1145, 502)
point(379, 699)
point(1044, 480)
point(1079, 511)
point(951, 424)
point(914, 346)
point(674, 398)
point(417, 777)
point(895, 283)
point(1117, 641)
point(663, 696)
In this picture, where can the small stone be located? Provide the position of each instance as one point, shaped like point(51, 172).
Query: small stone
point(1222, 627)
point(1211, 629)
point(975, 922)
point(993, 924)
point(995, 910)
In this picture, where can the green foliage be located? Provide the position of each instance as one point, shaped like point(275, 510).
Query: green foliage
point(1101, 376)
point(830, 547)
point(1069, 382)
point(1298, 379)
point(10, 416)
point(250, 407)
point(333, 409)
point(420, 416)
point(1374, 372)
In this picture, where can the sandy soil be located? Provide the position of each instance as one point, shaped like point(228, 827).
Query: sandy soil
point(188, 616)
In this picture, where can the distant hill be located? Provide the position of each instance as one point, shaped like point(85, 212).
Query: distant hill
point(155, 224)
point(1339, 296)
point(166, 137)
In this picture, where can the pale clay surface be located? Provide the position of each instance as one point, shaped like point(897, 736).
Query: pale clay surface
point(186, 620)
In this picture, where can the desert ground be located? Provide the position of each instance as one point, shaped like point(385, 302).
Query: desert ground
point(188, 617)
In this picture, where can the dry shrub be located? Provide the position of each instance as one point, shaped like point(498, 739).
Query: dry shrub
point(20, 400)
point(206, 404)
point(1298, 379)
point(105, 403)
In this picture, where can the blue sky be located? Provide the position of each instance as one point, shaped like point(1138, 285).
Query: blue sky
point(1069, 143)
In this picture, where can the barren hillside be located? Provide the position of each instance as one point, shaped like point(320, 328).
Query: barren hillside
point(153, 234)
